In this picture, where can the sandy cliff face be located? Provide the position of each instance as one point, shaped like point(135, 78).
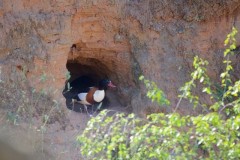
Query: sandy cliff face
point(113, 38)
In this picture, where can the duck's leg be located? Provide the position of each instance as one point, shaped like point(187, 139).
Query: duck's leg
point(96, 108)
point(92, 106)
point(87, 110)
point(73, 104)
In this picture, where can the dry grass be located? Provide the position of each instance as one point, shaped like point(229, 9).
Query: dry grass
point(23, 102)
point(25, 116)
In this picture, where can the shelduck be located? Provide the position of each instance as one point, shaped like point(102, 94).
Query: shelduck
point(93, 95)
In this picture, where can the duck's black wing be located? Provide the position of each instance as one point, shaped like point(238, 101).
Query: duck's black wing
point(80, 85)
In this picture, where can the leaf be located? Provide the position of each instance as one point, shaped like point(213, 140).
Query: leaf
point(207, 90)
point(232, 47)
point(68, 87)
point(141, 77)
point(223, 75)
point(226, 52)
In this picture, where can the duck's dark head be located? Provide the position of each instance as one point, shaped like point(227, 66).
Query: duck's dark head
point(104, 84)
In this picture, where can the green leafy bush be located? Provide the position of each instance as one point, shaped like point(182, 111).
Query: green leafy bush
point(215, 135)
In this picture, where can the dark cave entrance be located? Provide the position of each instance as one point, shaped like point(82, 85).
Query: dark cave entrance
point(87, 67)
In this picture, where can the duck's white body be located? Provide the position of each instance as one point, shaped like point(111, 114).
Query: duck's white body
point(99, 95)
point(82, 97)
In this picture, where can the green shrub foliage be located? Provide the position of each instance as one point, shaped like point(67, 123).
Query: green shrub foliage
point(212, 136)
point(154, 93)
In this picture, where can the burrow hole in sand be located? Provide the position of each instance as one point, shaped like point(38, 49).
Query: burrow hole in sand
point(87, 70)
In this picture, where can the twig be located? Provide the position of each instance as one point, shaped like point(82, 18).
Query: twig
point(178, 104)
